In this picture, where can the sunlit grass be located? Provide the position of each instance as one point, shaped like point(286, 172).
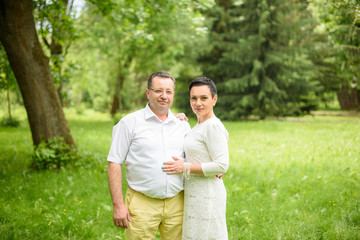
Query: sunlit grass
point(294, 180)
point(288, 179)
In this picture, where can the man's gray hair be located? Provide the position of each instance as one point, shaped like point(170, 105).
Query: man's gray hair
point(161, 75)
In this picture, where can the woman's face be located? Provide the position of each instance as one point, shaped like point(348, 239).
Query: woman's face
point(202, 102)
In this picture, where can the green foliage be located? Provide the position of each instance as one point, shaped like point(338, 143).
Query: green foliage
point(7, 78)
point(259, 58)
point(338, 54)
point(121, 46)
point(53, 154)
point(56, 29)
point(56, 21)
point(9, 122)
point(9, 84)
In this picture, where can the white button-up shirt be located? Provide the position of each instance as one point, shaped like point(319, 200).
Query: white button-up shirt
point(144, 143)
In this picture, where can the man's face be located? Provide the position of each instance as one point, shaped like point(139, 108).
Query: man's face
point(161, 95)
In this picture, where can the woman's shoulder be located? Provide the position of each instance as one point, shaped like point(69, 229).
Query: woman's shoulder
point(214, 121)
point(214, 124)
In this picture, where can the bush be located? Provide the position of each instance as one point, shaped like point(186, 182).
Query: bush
point(53, 154)
point(9, 122)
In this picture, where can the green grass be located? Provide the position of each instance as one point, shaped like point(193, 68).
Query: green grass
point(288, 179)
point(294, 180)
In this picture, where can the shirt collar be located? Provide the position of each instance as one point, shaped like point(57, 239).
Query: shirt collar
point(149, 114)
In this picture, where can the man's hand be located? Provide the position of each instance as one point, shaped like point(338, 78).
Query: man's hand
point(181, 116)
point(220, 176)
point(121, 216)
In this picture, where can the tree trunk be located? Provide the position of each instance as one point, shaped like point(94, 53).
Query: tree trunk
point(9, 104)
point(224, 3)
point(348, 100)
point(117, 100)
point(31, 69)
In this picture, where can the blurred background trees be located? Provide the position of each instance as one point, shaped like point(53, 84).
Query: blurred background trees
point(267, 57)
point(118, 51)
point(259, 56)
point(30, 65)
point(338, 55)
point(8, 84)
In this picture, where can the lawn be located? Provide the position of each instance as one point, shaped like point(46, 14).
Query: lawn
point(292, 178)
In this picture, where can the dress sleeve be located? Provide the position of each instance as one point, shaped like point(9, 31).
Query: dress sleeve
point(216, 140)
point(120, 142)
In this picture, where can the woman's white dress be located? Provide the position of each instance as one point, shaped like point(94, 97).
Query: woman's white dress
point(205, 196)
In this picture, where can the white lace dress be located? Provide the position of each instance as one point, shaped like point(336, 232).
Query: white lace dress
point(205, 196)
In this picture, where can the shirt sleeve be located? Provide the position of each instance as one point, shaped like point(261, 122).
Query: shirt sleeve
point(216, 140)
point(120, 142)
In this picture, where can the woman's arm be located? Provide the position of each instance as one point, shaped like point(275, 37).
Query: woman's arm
point(177, 166)
point(216, 139)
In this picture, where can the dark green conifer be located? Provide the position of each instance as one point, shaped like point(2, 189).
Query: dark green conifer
point(259, 57)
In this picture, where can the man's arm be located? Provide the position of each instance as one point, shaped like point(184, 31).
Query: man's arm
point(121, 215)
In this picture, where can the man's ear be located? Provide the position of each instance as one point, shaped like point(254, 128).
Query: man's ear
point(147, 92)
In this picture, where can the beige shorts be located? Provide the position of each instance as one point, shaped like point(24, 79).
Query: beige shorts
point(150, 214)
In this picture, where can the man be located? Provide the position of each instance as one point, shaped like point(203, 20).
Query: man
point(146, 139)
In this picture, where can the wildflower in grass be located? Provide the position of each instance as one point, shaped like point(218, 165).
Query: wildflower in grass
point(49, 223)
point(76, 200)
point(274, 193)
point(64, 210)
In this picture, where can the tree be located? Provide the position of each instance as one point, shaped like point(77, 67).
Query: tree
point(7, 82)
point(338, 56)
point(259, 57)
point(119, 50)
point(55, 22)
point(31, 68)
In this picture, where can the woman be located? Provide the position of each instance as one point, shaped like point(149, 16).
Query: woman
point(207, 156)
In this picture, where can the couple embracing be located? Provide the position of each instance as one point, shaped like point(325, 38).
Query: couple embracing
point(173, 172)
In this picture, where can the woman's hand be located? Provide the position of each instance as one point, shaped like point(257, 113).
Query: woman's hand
point(173, 167)
point(181, 116)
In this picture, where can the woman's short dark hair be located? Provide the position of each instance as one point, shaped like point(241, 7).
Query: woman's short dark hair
point(161, 75)
point(201, 81)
